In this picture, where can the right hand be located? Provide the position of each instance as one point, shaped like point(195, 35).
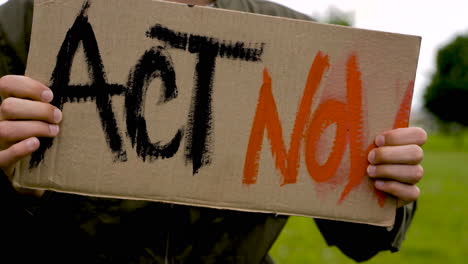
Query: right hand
point(25, 114)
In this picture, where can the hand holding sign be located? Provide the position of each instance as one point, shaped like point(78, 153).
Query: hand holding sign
point(395, 164)
point(25, 114)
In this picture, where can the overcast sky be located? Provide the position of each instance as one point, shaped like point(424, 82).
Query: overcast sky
point(436, 21)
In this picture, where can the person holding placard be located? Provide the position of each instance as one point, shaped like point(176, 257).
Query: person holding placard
point(112, 230)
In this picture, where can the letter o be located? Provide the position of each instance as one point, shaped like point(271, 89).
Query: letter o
point(329, 112)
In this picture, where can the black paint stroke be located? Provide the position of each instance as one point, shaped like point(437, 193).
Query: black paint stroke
point(177, 40)
point(155, 63)
point(99, 90)
point(200, 127)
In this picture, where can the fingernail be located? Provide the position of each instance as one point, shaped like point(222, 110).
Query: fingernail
point(371, 156)
point(32, 143)
point(47, 96)
point(380, 141)
point(379, 184)
point(57, 115)
point(371, 170)
point(54, 129)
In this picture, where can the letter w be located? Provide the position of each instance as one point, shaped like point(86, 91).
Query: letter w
point(266, 117)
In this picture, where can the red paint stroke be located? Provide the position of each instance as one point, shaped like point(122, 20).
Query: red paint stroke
point(403, 115)
point(329, 112)
point(348, 117)
point(266, 117)
point(358, 155)
point(401, 120)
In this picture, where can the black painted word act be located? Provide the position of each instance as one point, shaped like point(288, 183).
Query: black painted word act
point(155, 63)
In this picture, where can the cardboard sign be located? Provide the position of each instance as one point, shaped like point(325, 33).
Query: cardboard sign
point(194, 105)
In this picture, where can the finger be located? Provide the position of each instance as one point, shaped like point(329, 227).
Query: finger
point(14, 131)
point(405, 193)
point(410, 174)
point(24, 87)
point(407, 154)
point(29, 192)
point(11, 155)
point(22, 109)
point(402, 136)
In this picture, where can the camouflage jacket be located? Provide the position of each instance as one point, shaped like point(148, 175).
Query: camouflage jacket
point(70, 228)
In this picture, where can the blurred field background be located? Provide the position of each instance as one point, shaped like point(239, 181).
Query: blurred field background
point(438, 234)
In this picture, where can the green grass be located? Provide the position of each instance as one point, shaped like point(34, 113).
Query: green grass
point(438, 234)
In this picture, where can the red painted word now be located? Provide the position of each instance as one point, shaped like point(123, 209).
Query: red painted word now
point(308, 127)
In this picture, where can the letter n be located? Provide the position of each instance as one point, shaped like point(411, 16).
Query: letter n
point(266, 118)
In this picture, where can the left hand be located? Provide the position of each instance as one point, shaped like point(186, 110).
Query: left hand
point(395, 163)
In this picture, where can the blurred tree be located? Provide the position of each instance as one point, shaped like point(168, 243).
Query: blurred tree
point(446, 96)
point(337, 16)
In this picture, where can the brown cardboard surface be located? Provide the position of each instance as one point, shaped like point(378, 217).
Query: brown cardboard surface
point(207, 107)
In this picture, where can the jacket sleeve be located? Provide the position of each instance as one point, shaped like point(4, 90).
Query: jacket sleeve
point(15, 31)
point(19, 225)
point(360, 241)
